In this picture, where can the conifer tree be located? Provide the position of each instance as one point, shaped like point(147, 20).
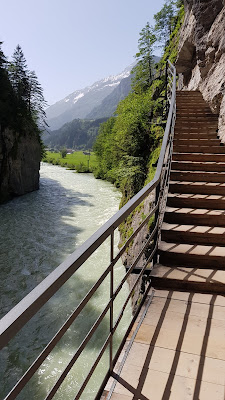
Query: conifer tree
point(18, 74)
point(27, 89)
point(6, 94)
point(143, 70)
point(36, 100)
point(2, 57)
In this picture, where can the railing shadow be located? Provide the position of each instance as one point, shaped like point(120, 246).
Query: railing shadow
point(202, 352)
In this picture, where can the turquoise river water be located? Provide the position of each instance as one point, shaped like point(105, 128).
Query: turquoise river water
point(37, 232)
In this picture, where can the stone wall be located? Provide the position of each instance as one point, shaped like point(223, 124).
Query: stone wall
point(201, 54)
point(19, 164)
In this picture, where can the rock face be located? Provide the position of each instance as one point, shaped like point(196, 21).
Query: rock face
point(19, 164)
point(201, 54)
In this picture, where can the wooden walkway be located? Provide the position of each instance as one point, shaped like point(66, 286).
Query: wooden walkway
point(178, 352)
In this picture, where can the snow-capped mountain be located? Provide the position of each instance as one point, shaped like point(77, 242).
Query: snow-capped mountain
point(81, 102)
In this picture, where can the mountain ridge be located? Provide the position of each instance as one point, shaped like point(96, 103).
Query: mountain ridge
point(81, 102)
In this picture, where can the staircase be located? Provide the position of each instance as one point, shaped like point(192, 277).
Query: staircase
point(192, 248)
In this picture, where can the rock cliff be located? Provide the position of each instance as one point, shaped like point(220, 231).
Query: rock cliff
point(19, 163)
point(201, 54)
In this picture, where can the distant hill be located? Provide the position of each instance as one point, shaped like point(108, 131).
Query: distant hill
point(79, 134)
point(80, 103)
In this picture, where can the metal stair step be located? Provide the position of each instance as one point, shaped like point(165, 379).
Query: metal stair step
point(198, 166)
point(197, 187)
point(186, 128)
point(194, 216)
point(193, 234)
point(196, 142)
point(188, 279)
point(197, 120)
point(199, 157)
point(199, 149)
point(194, 112)
point(198, 136)
point(198, 176)
point(196, 256)
point(191, 108)
point(182, 200)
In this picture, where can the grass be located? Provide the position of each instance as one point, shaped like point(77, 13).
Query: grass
point(76, 161)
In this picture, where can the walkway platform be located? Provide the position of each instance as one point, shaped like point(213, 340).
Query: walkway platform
point(176, 350)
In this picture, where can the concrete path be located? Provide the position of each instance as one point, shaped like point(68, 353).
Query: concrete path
point(178, 352)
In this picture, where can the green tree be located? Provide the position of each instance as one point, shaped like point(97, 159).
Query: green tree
point(165, 21)
point(63, 152)
point(18, 74)
point(36, 101)
point(7, 100)
point(143, 71)
point(104, 148)
point(3, 60)
point(28, 91)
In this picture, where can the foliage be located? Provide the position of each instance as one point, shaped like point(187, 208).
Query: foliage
point(63, 152)
point(128, 144)
point(170, 52)
point(7, 96)
point(143, 71)
point(18, 74)
point(36, 100)
point(28, 93)
point(124, 143)
point(165, 21)
point(103, 148)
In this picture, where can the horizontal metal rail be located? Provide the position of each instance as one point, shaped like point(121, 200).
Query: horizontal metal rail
point(15, 320)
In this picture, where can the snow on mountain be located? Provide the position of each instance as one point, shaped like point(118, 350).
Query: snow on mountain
point(78, 97)
point(81, 102)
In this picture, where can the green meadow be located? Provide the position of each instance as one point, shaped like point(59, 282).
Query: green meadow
point(77, 161)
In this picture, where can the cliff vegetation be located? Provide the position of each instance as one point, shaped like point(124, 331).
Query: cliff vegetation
point(128, 143)
point(22, 119)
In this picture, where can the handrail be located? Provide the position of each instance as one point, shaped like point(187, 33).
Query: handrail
point(13, 322)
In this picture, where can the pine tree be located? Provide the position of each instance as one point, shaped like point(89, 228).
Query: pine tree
point(28, 91)
point(2, 57)
point(143, 71)
point(7, 100)
point(36, 100)
point(18, 74)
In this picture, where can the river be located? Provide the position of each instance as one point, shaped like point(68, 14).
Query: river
point(38, 231)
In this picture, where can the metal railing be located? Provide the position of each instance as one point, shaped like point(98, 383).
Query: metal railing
point(16, 319)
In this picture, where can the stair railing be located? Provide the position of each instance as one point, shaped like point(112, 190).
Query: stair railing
point(17, 318)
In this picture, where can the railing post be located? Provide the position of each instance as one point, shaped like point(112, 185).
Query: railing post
point(157, 194)
point(111, 297)
point(166, 97)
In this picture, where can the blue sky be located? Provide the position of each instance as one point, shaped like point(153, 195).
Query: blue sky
point(73, 43)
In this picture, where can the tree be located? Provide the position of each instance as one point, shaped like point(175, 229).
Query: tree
point(27, 89)
point(63, 152)
point(18, 74)
point(36, 101)
point(2, 57)
point(164, 21)
point(143, 71)
point(7, 98)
